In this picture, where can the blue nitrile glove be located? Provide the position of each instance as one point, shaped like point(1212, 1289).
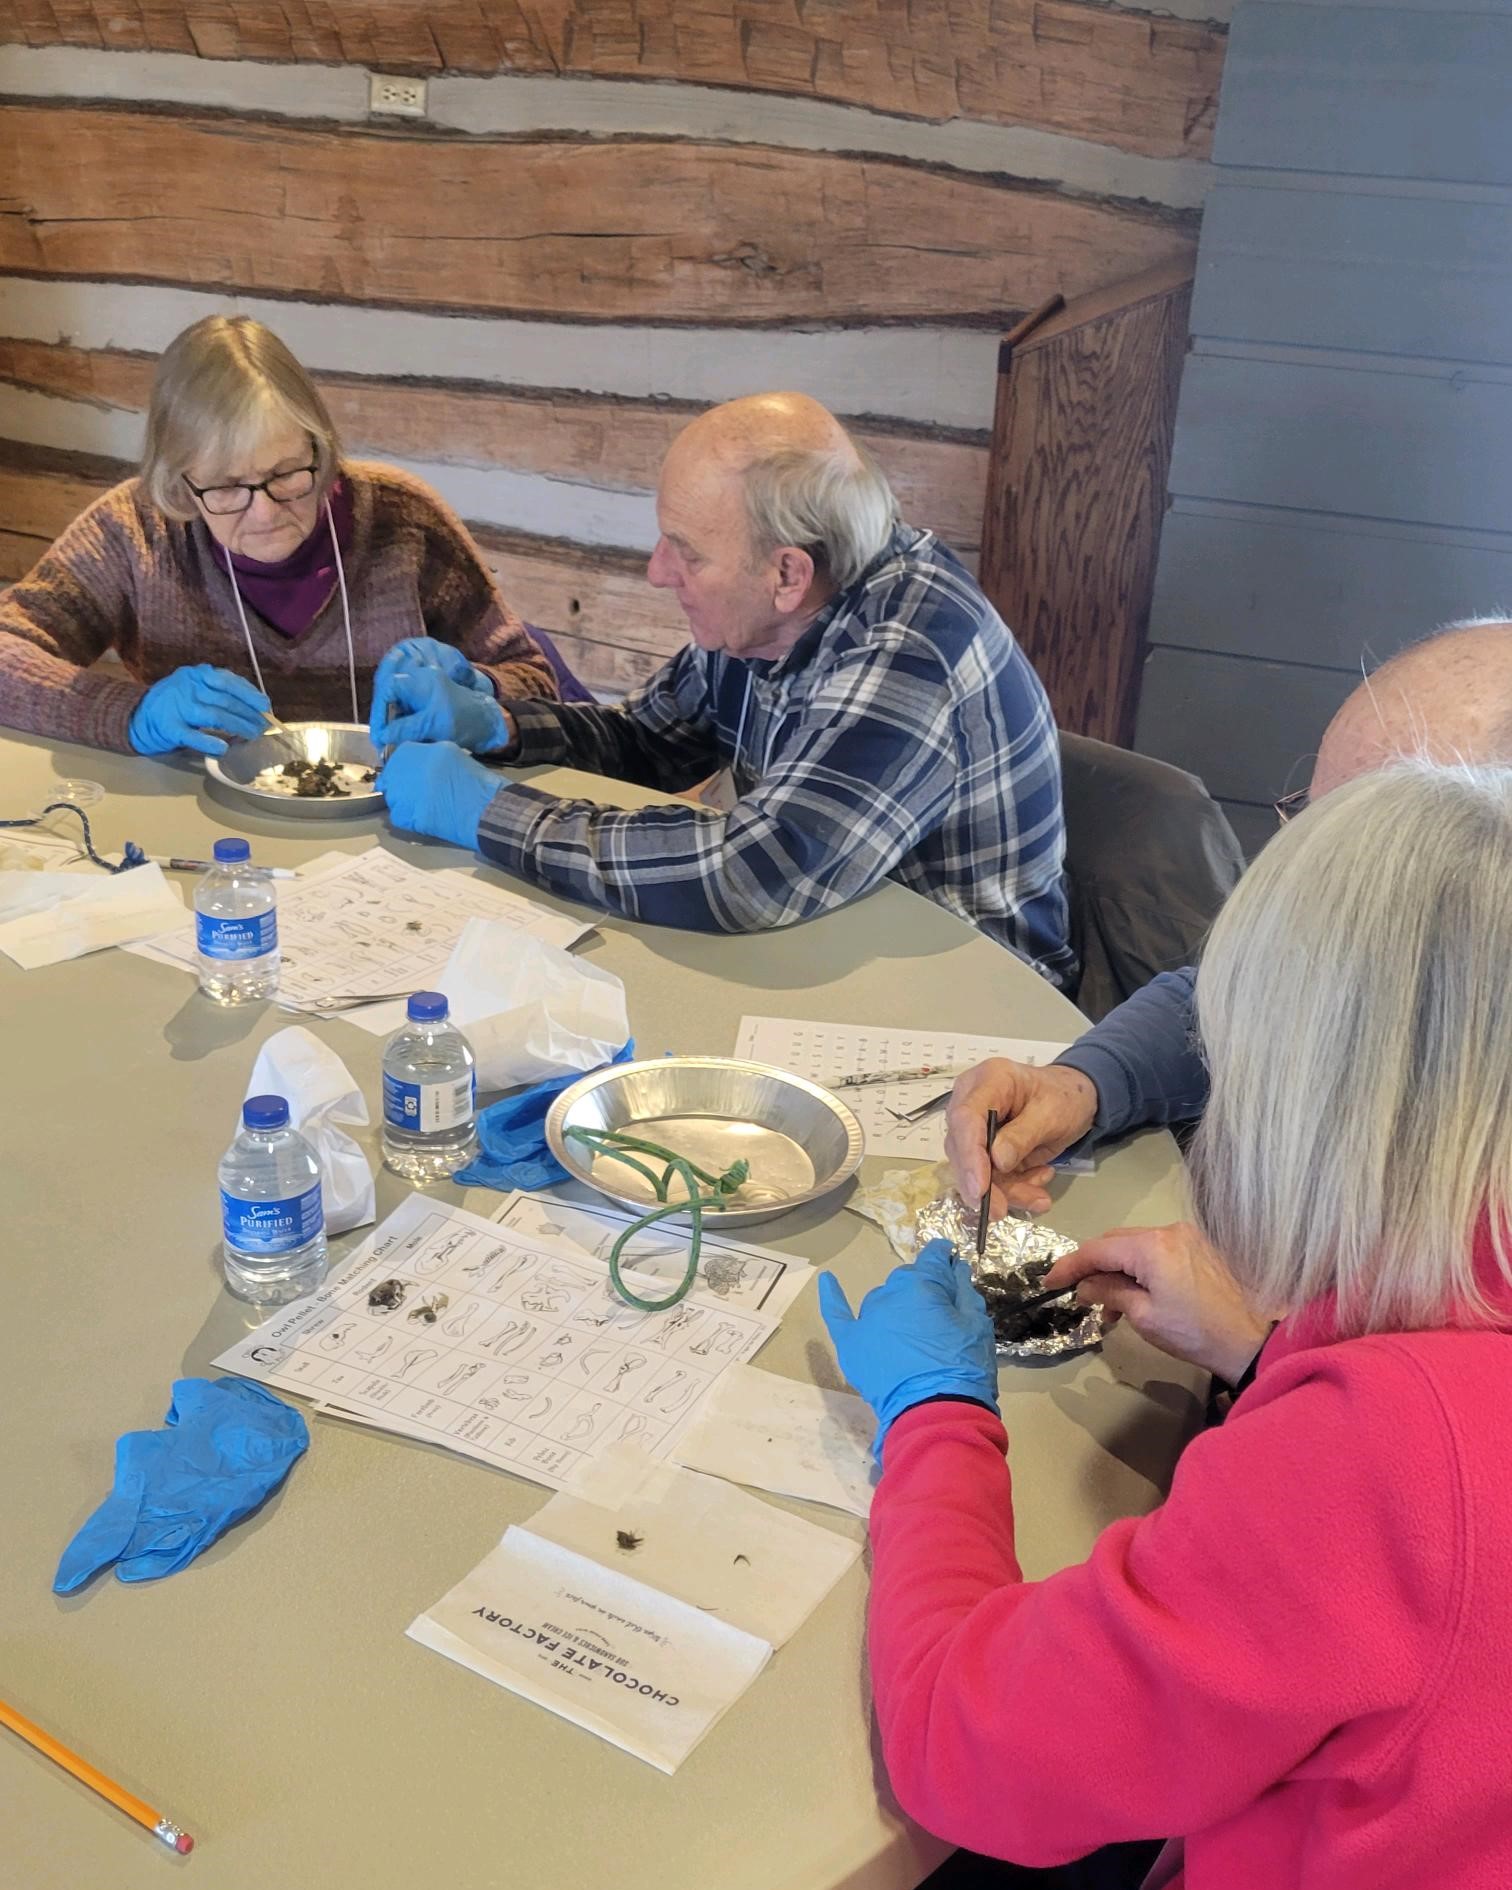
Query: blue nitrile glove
point(923, 1333)
point(178, 711)
point(432, 708)
point(512, 1150)
point(432, 787)
point(226, 1447)
point(410, 656)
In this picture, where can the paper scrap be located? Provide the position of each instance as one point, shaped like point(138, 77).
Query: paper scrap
point(793, 1439)
point(825, 1052)
point(371, 922)
point(47, 917)
point(510, 1349)
point(647, 1673)
point(701, 1541)
point(728, 1270)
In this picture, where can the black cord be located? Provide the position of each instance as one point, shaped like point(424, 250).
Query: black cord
point(133, 856)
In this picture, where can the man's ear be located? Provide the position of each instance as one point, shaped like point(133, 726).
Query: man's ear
point(795, 574)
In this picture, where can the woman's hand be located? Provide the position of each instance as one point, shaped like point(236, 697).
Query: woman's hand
point(923, 1333)
point(180, 710)
point(1040, 1111)
point(1173, 1289)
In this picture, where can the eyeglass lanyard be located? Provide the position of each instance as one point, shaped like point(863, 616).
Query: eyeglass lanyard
point(346, 613)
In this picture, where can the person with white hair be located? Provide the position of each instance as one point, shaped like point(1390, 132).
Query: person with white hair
point(1295, 1665)
point(874, 713)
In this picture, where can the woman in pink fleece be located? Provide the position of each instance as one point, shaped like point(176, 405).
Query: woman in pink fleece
point(1295, 1669)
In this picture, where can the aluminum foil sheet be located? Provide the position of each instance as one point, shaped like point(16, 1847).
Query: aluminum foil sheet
point(1019, 1254)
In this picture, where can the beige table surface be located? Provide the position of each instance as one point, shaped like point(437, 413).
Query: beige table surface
point(266, 1698)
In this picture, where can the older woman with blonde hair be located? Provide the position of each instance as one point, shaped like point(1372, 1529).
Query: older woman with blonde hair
point(248, 567)
point(1294, 1668)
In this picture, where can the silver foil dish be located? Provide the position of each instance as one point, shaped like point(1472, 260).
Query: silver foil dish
point(234, 775)
point(1019, 1255)
point(799, 1141)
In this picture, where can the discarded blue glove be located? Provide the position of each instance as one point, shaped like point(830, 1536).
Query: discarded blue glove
point(923, 1333)
point(179, 710)
point(432, 787)
point(412, 654)
point(225, 1447)
point(512, 1150)
point(432, 708)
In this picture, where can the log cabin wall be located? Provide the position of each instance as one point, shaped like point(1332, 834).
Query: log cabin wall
point(613, 213)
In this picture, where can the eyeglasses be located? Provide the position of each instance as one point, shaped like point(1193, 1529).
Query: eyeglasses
point(1290, 805)
point(283, 488)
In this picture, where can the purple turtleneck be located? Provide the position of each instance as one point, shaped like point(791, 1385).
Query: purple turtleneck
point(291, 594)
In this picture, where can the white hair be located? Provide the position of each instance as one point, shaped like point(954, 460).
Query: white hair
point(1353, 1007)
point(832, 502)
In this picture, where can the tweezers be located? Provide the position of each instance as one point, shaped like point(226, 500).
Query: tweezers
point(921, 1110)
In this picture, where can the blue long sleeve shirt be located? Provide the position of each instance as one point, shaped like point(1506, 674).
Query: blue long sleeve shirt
point(905, 736)
point(1144, 1059)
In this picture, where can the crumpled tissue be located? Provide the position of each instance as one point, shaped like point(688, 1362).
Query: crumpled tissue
point(530, 1010)
point(47, 917)
point(324, 1102)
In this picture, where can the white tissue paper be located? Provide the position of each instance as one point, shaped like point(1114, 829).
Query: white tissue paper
point(46, 917)
point(323, 1102)
point(528, 1009)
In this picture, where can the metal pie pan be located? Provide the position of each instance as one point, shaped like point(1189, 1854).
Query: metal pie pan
point(799, 1140)
point(235, 772)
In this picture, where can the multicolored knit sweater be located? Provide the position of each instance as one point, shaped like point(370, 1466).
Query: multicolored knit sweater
point(125, 577)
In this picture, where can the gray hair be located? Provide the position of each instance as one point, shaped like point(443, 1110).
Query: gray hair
point(832, 502)
point(222, 387)
point(1352, 1003)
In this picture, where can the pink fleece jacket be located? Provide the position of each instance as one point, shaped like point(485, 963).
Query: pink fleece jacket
point(1299, 1663)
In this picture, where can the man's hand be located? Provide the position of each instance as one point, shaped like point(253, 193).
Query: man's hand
point(1041, 1112)
point(1173, 1289)
point(923, 1333)
point(432, 787)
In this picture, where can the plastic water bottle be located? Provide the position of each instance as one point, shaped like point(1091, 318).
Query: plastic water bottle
point(429, 1094)
point(236, 928)
point(271, 1212)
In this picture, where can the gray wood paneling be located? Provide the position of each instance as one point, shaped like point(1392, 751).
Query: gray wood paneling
point(1429, 448)
point(1252, 825)
point(1249, 729)
point(1315, 590)
point(1407, 275)
point(1374, 91)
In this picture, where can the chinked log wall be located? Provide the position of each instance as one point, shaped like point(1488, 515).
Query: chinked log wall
point(525, 295)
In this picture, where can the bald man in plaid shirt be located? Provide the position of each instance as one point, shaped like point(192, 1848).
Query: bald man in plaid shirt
point(873, 713)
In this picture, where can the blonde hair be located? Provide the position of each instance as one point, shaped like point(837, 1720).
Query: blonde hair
point(221, 388)
point(833, 502)
point(1353, 1007)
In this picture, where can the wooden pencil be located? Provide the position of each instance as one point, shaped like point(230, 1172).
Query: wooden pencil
point(123, 1800)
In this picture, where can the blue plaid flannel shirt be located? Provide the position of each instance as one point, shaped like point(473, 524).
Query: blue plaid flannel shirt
point(904, 736)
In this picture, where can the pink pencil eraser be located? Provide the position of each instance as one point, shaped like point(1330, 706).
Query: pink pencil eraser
point(183, 1844)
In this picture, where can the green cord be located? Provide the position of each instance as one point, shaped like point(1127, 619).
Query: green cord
point(618, 1144)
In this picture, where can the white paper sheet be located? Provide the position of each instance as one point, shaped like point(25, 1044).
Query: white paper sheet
point(702, 1541)
point(728, 1269)
point(649, 1674)
point(825, 1052)
point(356, 922)
point(531, 1362)
point(47, 917)
point(779, 1435)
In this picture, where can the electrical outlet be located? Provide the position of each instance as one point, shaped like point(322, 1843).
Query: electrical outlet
point(398, 98)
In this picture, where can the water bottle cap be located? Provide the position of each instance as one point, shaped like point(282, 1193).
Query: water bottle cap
point(427, 1007)
point(232, 850)
point(265, 1112)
